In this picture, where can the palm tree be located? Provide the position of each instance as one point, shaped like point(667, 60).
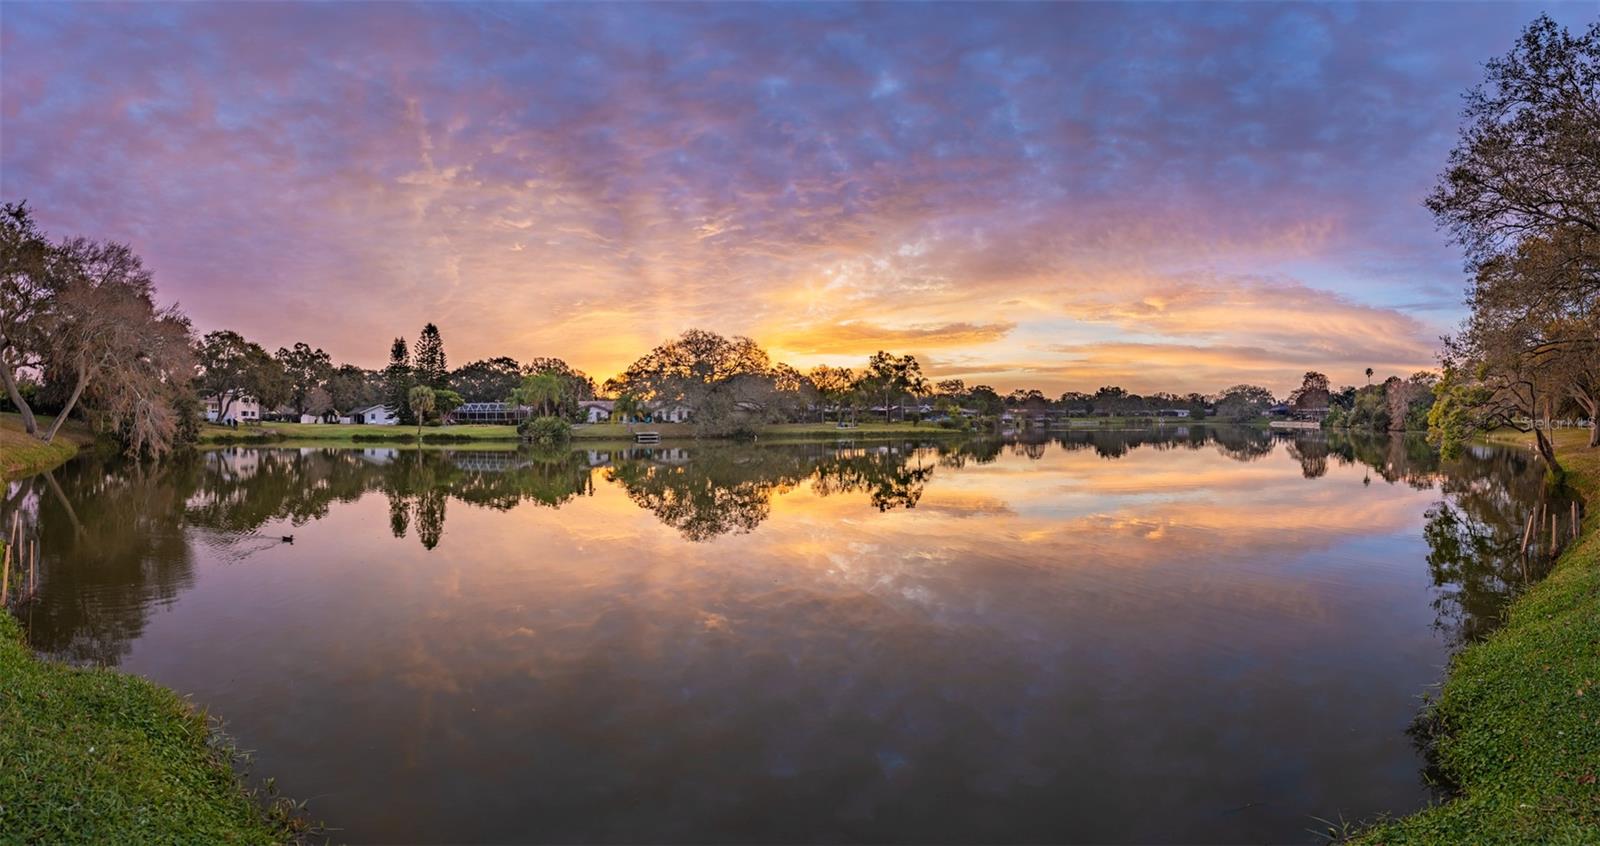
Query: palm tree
point(421, 401)
point(627, 407)
point(1369, 376)
point(541, 390)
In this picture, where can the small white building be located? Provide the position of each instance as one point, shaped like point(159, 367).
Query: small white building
point(596, 411)
point(242, 409)
point(375, 415)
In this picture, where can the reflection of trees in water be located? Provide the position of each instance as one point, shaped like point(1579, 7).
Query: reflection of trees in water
point(112, 545)
point(1474, 532)
point(891, 478)
point(122, 526)
point(1236, 442)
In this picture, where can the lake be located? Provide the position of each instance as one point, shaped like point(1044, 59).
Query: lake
point(1186, 634)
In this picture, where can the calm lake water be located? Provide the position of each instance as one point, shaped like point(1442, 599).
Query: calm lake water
point(1184, 635)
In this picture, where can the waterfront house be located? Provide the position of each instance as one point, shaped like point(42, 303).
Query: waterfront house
point(596, 411)
point(490, 412)
point(376, 415)
point(243, 408)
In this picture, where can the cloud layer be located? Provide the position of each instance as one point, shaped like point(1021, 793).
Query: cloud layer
point(1169, 196)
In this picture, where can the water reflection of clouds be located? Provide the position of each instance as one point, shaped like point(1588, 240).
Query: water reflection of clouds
point(563, 654)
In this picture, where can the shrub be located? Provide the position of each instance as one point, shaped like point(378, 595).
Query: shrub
point(546, 431)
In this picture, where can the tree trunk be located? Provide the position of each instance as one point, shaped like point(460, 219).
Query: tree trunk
point(29, 425)
point(1547, 449)
point(1594, 431)
point(77, 391)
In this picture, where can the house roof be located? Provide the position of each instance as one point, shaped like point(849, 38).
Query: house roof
point(598, 403)
point(370, 408)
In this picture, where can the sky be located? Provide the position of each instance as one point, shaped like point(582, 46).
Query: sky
point(1164, 197)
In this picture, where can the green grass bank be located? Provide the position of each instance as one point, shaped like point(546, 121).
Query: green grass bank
point(22, 454)
point(92, 755)
point(1518, 716)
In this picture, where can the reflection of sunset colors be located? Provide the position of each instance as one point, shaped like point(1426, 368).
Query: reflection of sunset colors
point(1172, 197)
point(639, 643)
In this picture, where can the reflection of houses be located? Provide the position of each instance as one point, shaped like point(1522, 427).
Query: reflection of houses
point(379, 455)
point(487, 461)
point(490, 412)
point(242, 408)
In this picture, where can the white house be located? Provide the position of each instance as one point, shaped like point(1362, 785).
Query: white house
point(375, 415)
point(242, 409)
point(670, 412)
point(596, 411)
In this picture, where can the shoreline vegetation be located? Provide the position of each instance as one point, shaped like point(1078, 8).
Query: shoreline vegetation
point(1515, 727)
point(23, 455)
point(94, 755)
point(269, 433)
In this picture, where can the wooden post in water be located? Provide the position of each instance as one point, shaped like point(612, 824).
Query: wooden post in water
point(1527, 534)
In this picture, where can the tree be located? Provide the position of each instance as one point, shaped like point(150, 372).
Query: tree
point(126, 358)
point(231, 368)
point(1244, 402)
point(398, 381)
point(429, 366)
point(985, 399)
point(305, 370)
point(317, 402)
point(446, 401)
point(1528, 161)
point(351, 387)
point(25, 294)
point(83, 315)
point(487, 380)
point(1369, 375)
point(628, 407)
point(834, 385)
point(1313, 393)
point(888, 376)
point(728, 382)
point(420, 400)
point(540, 391)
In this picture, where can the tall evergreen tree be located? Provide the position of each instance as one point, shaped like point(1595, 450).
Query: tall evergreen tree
point(429, 367)
point(397, 380)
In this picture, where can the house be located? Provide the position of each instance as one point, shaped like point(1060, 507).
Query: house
point(239, 408)
point(1173, 412)
point(596, 411)
point(376, 415)
point(670, 412)
point(490, 412)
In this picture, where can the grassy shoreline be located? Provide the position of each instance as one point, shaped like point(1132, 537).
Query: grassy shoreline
point(22, 454)
point(93, 755)
point(275, 433)
point(1518, 717)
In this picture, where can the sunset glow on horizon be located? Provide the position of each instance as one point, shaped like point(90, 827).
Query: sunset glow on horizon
point(1162, 197)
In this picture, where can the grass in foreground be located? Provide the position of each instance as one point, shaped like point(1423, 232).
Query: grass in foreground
point(22, 454)
point(1519, 714)
point(99, 756)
